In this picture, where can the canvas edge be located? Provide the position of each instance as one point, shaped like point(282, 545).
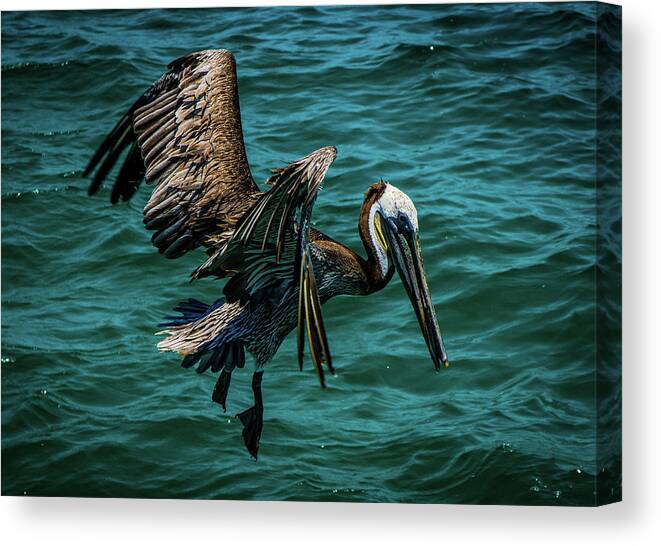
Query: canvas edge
point(608, 249)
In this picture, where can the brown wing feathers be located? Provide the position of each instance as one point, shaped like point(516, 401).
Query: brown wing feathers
point(117, 141)
point(110, 150)
point(266, 230)
point(184, 135)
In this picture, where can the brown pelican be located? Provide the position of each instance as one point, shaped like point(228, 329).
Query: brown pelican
point(184, 136)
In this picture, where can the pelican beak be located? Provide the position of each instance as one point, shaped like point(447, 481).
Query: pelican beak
point(404, 246)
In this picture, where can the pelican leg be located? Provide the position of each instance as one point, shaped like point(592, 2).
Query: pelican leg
point(222, 387)
point(252, 418)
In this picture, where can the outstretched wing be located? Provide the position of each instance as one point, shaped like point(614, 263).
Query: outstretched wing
point(271, 247)
point(184, 135)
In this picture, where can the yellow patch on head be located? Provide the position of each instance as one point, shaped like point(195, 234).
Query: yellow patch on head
point(379, 232)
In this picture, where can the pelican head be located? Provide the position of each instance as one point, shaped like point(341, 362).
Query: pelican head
point(396, 226)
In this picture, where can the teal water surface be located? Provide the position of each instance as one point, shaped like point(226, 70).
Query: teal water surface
point(483, 114)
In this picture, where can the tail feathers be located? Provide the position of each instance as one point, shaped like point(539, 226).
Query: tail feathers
point(227, 356)
point(191, 310)
point(206, 335)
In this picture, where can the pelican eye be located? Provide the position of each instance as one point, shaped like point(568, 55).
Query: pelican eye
point(403, 223)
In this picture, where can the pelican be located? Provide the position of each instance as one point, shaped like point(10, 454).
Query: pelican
point(184, 136)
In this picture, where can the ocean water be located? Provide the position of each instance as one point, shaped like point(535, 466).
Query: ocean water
point(483, 114)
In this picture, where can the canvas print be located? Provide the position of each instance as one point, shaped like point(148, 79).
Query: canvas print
point(338, 253)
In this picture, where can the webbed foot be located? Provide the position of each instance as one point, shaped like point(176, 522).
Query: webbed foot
point(252, 418)
point(252, 428)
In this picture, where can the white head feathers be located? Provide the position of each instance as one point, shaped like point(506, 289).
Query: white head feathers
point(394, 201)
point(391, 203)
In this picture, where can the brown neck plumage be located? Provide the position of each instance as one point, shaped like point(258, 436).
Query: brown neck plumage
point(375, 276)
